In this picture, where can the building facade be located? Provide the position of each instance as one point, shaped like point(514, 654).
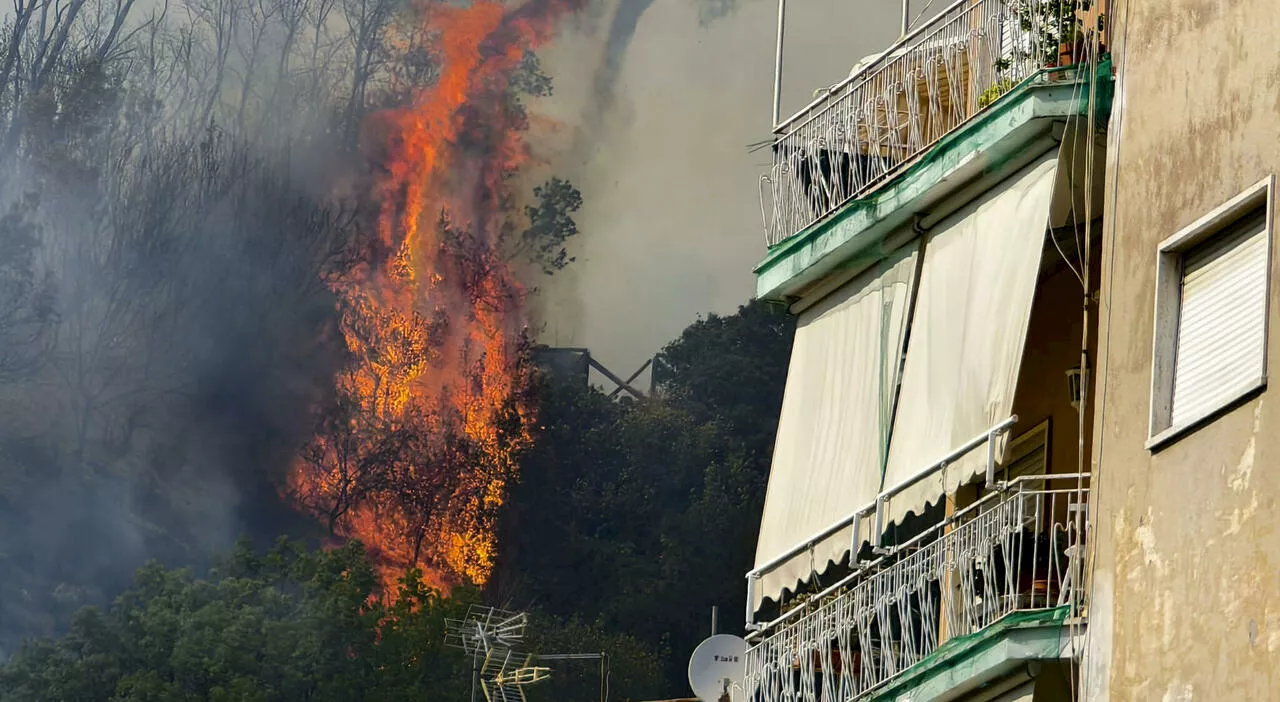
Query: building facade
point(1186, 581)
point(934, 222)
point(1024, 450)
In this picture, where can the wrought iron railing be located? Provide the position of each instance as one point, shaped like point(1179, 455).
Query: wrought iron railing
point(1020, 547)
point(885, 114)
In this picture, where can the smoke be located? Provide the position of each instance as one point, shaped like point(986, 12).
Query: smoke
point(176, 188)
point(181, 352)
point(618, 38)
point(235, 217)
point(655, 131)
point(622, 29)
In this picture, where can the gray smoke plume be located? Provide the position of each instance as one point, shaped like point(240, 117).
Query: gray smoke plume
point(622, 29)
point(654, 129)
point(173, 190)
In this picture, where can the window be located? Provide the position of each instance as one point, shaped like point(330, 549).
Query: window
point(1212, 287)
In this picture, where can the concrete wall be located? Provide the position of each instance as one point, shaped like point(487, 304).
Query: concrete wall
point(1186, 587)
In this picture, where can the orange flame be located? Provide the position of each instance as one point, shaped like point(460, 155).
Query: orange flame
point(416, 454)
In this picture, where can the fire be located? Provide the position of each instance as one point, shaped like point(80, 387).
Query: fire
point(430, 416)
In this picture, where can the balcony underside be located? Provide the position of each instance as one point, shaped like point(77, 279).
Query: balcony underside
point(1021, 126)
point(1000, 657)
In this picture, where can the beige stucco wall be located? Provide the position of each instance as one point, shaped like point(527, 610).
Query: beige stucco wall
point(1186, 587)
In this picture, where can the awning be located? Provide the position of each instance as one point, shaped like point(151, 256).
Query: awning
point(967, 335)
point(830, 448)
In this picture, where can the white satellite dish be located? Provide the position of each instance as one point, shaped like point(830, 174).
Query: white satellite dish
point(717, 667)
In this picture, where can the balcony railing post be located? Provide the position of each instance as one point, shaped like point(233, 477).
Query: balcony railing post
point(875, 537)
point(854, 544)
point(991, 459)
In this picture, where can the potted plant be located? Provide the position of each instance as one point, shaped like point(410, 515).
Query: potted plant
point(1054, 27)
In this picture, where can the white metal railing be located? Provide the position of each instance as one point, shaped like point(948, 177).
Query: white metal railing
point(1020, 547)
point(927, 84)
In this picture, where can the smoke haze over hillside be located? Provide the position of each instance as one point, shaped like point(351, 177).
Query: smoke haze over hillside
point(657, 102)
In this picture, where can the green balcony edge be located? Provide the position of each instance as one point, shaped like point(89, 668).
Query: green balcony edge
point(853, 236)
point(967, 664)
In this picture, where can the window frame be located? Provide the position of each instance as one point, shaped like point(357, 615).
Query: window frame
point(1170, 253)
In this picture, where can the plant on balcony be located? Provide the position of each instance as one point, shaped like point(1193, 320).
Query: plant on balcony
point(994, 92)
point(800, 599)
point(1055, 30)
point(1054, 25)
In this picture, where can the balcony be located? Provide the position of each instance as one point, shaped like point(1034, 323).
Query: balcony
point(1013, 556)
point(895, 106)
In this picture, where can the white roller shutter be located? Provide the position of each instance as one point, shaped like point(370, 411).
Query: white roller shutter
point(1222, 322)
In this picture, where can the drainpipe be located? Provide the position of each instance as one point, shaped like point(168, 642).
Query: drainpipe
point(906, 17)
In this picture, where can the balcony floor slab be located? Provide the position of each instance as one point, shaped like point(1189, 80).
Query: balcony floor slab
point(979, 662)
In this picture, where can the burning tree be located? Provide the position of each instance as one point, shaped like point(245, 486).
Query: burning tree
point(431, 414)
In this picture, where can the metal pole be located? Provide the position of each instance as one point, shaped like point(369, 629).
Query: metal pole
point(475, 674)
point(777, 64)
point(906, 17)
point(604, 676)
point(715, 615)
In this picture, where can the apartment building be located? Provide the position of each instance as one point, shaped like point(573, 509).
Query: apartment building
point(935, 222)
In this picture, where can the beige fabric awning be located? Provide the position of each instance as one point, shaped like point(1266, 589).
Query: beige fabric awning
point(977, 283)
point(836, 411)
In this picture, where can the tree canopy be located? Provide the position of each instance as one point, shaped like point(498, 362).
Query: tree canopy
point(291, 624)
point(631, 520)
point(640, 515)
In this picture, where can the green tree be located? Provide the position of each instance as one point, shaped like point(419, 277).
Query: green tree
point(551, 225)
point(631, 671)
point(638, 516)
point(291, 624)
point(731, 368)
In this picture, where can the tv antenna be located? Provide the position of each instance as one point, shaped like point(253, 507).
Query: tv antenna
point(491, 635)
point(499, 670)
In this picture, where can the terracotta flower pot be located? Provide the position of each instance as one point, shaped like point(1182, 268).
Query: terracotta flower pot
point(1066, 54)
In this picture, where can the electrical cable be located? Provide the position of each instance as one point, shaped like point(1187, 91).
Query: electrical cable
point(1090, 151)
point(1096, 487)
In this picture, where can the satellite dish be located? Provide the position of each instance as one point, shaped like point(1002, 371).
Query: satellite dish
point(717, 667)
